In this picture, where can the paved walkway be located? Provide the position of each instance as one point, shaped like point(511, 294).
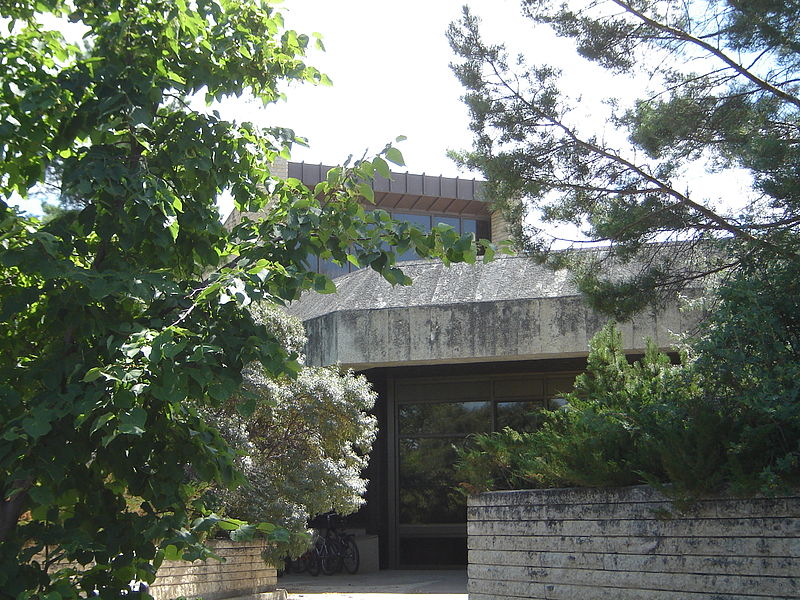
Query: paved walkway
point(383, 585)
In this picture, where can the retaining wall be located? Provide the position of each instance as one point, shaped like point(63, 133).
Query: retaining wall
point(631, 543)
point(242, 574)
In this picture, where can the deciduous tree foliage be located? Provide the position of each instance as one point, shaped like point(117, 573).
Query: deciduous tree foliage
point(118, 319)
point(721, 86)
point(304, 448)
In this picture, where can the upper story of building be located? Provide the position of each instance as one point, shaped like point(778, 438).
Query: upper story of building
point(510, 309)
point(422, 200)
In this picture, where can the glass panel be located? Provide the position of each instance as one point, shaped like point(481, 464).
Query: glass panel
point(451, 417)
point(484, 231)
point(463, 391)
point(560, 386)
point(524, 389)
point(433, 551)
point(311, 263)
point(427, 482)
point(454, 222)
point(469, 226)
point(331, 269)
point(522, 416)
point(422, 222)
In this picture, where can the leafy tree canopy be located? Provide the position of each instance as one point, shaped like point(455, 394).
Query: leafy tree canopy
point(726, 419)
point(721, 87)
point(121, 316)
point(304, 448)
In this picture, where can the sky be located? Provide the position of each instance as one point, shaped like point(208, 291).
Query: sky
point(389, 62)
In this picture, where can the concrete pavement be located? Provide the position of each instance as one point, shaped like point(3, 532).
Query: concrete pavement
point(383, 585)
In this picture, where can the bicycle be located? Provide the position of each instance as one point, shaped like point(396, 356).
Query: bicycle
point(338, 550)
point(308, 562)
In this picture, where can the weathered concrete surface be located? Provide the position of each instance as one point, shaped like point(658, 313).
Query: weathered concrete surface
point(242, 575)
point(631, 543)
point(509, 309)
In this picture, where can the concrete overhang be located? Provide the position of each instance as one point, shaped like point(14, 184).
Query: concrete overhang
point(506, 310)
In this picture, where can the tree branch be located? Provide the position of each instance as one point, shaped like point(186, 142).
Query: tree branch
point(661, 186)
point(683, 35)
point(11, 508)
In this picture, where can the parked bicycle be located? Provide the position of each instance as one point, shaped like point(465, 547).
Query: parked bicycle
point(338, 550)
point(308, 562)
point(332, 551)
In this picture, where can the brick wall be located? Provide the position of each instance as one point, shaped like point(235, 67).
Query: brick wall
point(630, 543)
point(242, 574)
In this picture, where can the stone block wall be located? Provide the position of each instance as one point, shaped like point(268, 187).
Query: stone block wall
point(242, 574)
point(631, 544)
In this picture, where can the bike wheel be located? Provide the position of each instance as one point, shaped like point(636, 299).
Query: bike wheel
point(297, 565)
point(330, 560)
point(350, 557)
point(312, 562)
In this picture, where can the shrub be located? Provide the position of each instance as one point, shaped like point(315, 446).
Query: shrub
point(304, 447)
point(727, 417)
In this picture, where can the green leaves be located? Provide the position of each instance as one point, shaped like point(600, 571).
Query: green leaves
point(394, 155)
point(36, 426)
point(125, 315)
point(133, 421)
point(381, 167)
point(645, 180)
point(117, 317)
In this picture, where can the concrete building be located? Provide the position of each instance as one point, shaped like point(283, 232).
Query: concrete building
point(465, 349)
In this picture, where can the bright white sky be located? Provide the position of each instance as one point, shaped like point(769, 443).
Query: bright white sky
point(389, 64)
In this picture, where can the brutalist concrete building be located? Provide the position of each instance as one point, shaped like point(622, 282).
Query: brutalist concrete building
point(465, 349)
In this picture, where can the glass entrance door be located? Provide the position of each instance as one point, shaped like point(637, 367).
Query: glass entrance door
point(432, 417)
point(431, 423)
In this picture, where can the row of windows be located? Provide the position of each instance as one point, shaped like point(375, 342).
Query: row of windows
point(434, 417)
point(479, 228)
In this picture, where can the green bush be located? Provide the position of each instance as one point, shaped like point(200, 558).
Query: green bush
point(726, 417)
point(303, 449)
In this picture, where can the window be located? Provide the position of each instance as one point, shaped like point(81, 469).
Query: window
point(480, 228)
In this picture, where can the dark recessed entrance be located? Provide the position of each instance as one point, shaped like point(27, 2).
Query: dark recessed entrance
point(427, 419)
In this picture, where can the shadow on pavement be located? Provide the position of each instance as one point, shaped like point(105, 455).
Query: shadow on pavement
point(444, 585)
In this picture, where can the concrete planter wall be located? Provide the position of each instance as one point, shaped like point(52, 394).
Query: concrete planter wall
point(630, 543)
point(242, 574)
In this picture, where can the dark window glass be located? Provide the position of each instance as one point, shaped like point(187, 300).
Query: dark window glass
point(469, 226)
point(522, 416)
point(422, 222)
point(558, 386)
point(523, 388)
point(433, 551)
point(427, 482)
point(331, 269)
point(483, 230)
point(449, 417)
point(454, 222)
point(412, 392)
point(311, 263)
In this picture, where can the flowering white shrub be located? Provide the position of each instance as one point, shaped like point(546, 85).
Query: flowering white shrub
point(304, 447)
